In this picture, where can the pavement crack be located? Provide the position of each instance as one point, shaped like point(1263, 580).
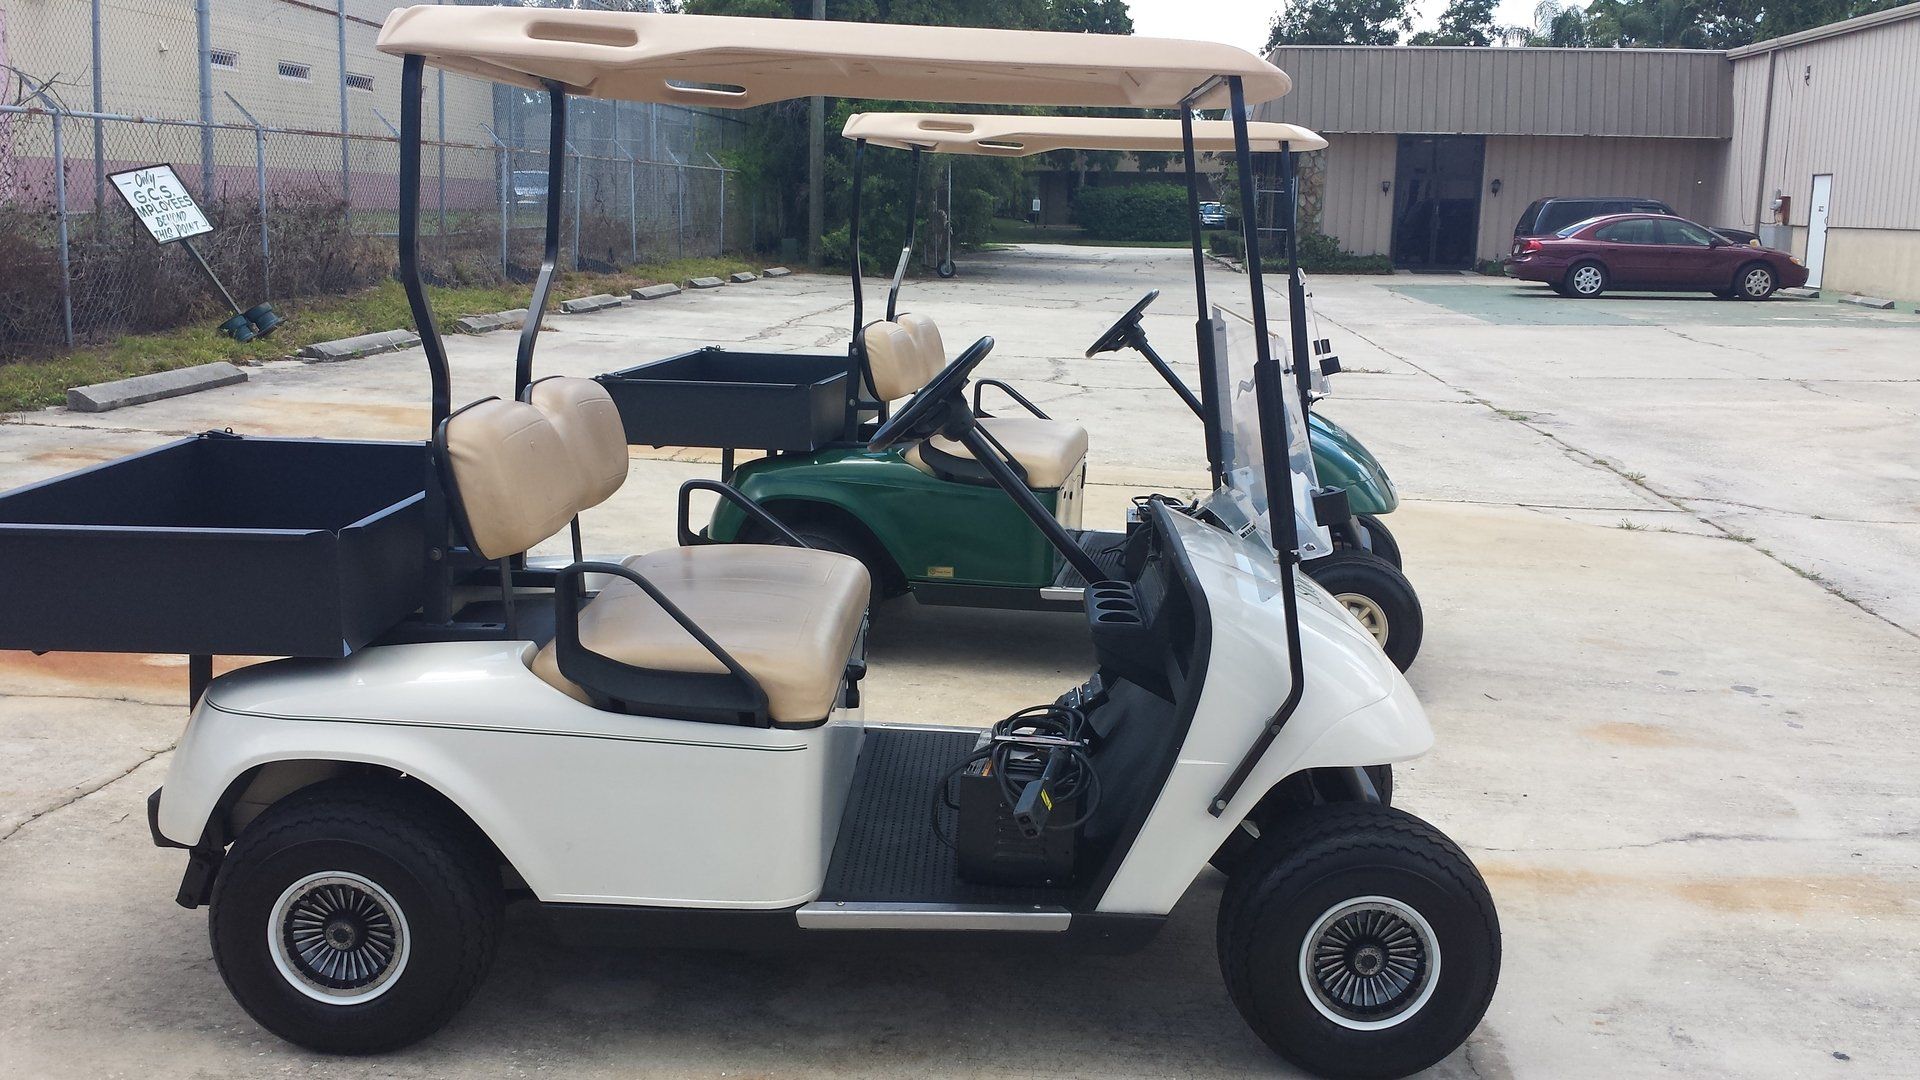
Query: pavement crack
point(78, 795)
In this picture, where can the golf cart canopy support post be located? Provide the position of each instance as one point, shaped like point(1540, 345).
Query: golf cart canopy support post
point(550, 251)
point(1296, 285)
point(437, 605)
point(1273, 433)
point(1202, 320)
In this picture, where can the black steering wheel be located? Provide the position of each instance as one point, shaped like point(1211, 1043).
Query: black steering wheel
point(921, 416)
point(1120, 333)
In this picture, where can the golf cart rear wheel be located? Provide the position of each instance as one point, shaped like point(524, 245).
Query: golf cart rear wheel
point(1379, 596)
point(1376, 538)
point(355, 917)
point(1359, 942)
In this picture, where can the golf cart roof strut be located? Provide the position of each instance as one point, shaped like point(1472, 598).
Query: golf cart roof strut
point(1273, 433)
point(1203, 322)
point(550, 250)
point(437, 605)
point(913, 228)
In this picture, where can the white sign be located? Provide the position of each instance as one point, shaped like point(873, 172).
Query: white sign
point(162, 203)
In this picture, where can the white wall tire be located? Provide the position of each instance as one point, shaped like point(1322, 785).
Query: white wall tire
point(355, 916)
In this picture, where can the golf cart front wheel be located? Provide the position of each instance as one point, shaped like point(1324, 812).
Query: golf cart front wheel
point(355, 918)
point(1378, 596)
point(1374, 536)
point(1359, 942)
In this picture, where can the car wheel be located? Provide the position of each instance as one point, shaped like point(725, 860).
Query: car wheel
point(1756, 281)
point(1358, 941)
point(355, 917)
point(1586, 280)
point(1378, 596)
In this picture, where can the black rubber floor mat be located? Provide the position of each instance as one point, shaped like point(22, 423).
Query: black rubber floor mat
point(887, 850)
point(1107, 549)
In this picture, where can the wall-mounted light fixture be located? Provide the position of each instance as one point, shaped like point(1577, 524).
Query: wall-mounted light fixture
point(1386, 186)
point(1495, 188)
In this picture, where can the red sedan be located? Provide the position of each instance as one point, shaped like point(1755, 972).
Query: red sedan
point(1651, 251)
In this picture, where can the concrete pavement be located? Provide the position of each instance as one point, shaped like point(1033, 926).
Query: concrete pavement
point(1684, 763)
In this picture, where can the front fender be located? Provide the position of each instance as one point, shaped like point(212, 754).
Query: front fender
point(1342, 461)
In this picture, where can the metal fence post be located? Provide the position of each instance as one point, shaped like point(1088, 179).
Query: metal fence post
point(60, 217)
point(260, 179)
point(346, 145)
point(579, 185)
point(99, 126)
point(722, 246)
point(203, 20)
point(441, 109)
point(505, 153)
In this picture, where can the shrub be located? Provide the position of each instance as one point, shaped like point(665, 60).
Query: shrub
point(1321, 254)
point(1133, 212)
point(1230, 245)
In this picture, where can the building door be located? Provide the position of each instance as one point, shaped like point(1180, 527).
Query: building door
point(1817, 228)
point(1436, 205)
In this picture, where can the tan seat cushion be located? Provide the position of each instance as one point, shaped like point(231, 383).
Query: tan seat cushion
point(514, 479)
point(589, 423)
point(788, 615)
point(1049, 450)
point(903, 355)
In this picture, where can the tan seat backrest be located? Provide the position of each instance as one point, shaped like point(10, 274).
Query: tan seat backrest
point(903, 355)
point(589, 424)
point(513, 478)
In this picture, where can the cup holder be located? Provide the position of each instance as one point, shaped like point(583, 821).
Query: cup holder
point(1123, 638)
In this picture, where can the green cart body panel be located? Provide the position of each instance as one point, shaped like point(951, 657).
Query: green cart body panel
point(1341, 461)
point(965, 534)
point(935, 530)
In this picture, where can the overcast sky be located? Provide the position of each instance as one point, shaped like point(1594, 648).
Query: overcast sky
point(1244, 22)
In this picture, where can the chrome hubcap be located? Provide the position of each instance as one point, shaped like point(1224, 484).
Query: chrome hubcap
point(338, 938)
point(1586, 279)
point(1369, 963)
point(1369, 612)
point(1758, 282)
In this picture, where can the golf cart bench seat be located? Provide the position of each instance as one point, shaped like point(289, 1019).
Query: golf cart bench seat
point(1049, 452)
point(904, 355)
point(789, 616)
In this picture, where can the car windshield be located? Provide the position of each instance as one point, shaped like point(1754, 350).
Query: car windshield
point(1241, 502)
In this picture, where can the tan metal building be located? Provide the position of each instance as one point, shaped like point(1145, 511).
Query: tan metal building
point(1436, 151)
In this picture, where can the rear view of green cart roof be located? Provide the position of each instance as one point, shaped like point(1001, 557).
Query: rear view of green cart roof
point(1000, 135)
point(737, 63)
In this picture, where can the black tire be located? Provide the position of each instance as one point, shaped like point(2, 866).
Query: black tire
point(1377, 594)
point(1585, 280)
point(1239, 843)
point(1380, 540)
point(436, 874)
point(1755, 281)
point(1381, 865)
point(828, 534)
point(946, 269)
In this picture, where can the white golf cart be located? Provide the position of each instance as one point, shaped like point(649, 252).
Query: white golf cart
point(676, 740)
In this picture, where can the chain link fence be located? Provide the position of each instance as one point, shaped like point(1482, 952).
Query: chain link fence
point(303, 189)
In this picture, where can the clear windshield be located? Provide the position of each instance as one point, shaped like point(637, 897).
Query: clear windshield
point(1242, 500)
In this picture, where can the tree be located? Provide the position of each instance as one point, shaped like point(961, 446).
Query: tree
point(1091, 17)
point(1464, 22)
point(1341, 22)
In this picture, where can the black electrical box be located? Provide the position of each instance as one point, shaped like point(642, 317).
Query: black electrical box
point(994, 849)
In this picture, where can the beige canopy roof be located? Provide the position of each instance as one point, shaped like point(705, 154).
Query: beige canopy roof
point(727, 62)
point(998, 135)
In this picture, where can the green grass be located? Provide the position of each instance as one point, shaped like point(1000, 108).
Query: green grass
point(34, 383)
point(1009, 231)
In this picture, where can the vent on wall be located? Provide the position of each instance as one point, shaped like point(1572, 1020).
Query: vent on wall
point(223, 58)
point(296, 72)
point(359, 82)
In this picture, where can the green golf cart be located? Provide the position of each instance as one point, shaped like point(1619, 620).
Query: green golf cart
point(928, 517)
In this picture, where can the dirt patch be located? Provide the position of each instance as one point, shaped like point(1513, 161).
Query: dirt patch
point(333, 419)
point(1622, 733)
point(1851, 895)
point(155, 677)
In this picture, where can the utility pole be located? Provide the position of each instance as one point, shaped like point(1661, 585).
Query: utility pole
point(816, 163)
point(203, 26)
